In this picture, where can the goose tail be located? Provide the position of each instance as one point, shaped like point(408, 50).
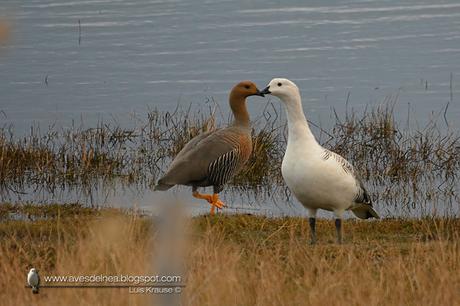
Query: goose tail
point(162, 186)
point(365, 211)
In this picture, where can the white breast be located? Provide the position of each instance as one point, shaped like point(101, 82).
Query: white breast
point(32, 279)
point(317, 182)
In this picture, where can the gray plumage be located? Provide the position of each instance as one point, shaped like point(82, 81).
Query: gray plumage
point(213, 158)
point(210, 159)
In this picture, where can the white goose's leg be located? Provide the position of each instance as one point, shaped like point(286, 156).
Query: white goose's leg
point(312, 221)
point(338, 229)
point(338, 224)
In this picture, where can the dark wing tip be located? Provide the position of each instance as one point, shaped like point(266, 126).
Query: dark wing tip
point(162, 186)
point(371, 213)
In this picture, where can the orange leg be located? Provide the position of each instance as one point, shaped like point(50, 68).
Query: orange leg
point(212, 199)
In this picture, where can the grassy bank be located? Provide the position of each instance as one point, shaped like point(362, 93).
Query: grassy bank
point(227, 260)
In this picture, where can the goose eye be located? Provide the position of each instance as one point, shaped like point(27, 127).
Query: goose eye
point(279, 84)
point(246, 86)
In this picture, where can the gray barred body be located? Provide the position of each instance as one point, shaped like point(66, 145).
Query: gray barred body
point(213, 158)
point(224, 168)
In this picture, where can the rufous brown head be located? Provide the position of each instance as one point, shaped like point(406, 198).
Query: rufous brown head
point(245, 89)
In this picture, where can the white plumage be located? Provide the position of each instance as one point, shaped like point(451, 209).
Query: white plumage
point(33, 279)
point(319, 178)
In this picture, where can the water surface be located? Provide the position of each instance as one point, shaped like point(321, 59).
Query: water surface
point(103, 59)
point(94, 60)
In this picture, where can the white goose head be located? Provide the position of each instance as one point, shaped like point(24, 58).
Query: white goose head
point(284, 89)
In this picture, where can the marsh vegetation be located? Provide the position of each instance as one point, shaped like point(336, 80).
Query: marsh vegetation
point(404, 167)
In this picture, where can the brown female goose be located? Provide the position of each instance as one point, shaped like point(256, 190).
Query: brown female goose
point(212, 158)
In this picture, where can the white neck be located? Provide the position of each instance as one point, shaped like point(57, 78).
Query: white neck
point(297, 123)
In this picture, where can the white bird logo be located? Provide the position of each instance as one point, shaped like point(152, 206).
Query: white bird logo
point(33, 279)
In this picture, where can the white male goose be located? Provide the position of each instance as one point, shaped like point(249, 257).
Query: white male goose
point(212, 158)
point(319, 178)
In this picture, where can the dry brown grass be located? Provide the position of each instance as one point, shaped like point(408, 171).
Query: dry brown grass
point(383, 263)
point(238, 260)
point(73, 245)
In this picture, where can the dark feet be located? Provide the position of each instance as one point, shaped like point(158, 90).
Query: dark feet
point(312, 222)
point(338, 228)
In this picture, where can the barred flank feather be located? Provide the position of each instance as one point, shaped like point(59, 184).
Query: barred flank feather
point(223, 168)
point(363, 209)
point(362, 196)
point(346, 166)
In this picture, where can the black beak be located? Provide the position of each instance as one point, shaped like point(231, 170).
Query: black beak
point(258, 93)
point(266, 91)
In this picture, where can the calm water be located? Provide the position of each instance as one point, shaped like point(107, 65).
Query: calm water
point(134, 55)
point(108, 59)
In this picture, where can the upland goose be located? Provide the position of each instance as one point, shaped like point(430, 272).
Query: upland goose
point(212, 158)
point(319, 178)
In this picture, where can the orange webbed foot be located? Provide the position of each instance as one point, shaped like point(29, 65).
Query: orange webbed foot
point(212, 199)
